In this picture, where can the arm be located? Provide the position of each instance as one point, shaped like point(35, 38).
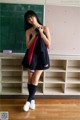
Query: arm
point(47, 39)
point(28, 40)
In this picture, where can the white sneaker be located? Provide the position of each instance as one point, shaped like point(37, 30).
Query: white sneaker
point(26, 106)
point(32, 104)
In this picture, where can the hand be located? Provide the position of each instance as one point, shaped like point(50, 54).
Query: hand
point(40, 29)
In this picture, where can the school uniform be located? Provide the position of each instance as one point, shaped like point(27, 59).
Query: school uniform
point(40, 57)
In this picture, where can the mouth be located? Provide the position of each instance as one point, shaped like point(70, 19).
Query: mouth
point(31, 22)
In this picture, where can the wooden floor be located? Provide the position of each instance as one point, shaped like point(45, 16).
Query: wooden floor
point(46, 109)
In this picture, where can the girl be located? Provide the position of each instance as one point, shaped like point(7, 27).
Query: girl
point(36, 58)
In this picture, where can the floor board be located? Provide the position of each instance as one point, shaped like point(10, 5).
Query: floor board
point(46, 109)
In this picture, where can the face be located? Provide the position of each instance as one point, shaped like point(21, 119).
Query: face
point(32, 20)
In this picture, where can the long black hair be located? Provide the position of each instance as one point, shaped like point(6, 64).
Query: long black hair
point(27, 15)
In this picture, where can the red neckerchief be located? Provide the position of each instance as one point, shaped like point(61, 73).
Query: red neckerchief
point(31, 50)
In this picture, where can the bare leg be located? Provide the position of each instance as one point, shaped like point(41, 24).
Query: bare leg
point(34, 83)
point(30, 74)
point(35, 77)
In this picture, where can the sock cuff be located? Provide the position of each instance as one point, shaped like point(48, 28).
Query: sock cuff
point(34, 85)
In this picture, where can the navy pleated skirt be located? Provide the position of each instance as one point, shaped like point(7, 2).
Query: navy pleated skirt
point(40, 59)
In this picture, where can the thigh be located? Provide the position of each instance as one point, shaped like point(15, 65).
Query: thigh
point(30, 74)
point(36, 76)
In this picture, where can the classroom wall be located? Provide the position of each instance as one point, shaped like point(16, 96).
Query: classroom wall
point(64, 24)
point(24, 1)
point(62, 17)
point(75, 3)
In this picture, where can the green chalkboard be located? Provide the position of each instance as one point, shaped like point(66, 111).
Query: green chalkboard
point(12, 34)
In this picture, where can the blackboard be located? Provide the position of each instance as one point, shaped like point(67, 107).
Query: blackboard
point(12, 34)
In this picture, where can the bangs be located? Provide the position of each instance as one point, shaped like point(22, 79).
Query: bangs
point(30, 14)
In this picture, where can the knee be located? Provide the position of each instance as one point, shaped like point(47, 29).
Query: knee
point(34, 82)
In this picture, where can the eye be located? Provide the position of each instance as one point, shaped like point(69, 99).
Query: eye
point(29, 19)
